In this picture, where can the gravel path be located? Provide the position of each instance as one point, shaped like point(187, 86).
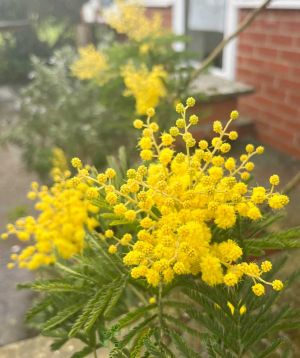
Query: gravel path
point(14, 183)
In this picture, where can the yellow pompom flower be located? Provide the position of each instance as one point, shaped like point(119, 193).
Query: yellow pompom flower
point(180, 123)
point(258, 289)
point(230, 279)
point(130, 19)
point(76, 163)
point(152, 300)
point(193, 119)
point(167, 139)
point(150, 112)
point(146, 86)
point(266, 266)
point(165, 156)
point(249, 148)
point(130, 215)
point(260, 150)
point(174, 131)
point(179, 108)
point(190, 102)
point(146, 154)
point(90, 65)
point(234, 115)
point(109, 234)
point(233, 135)
point(278, 201)
point(277, 285)
point(138, 124)
point(225, 216)
point(110, 173)
point(217, 127)
point(274, 180)
point(229, 251)
point(112, 249)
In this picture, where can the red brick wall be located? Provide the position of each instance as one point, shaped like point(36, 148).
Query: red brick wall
point(268, 58)
point(165, 12)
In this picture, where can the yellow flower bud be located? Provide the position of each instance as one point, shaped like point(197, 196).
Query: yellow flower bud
point(150, 112)
point(112, 249)
point(138, 124)
point(258, 289)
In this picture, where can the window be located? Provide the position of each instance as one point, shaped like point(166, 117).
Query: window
point(205, 22)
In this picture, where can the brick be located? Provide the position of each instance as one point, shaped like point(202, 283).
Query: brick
point(290, 56)
point(296, 42)
point(290, 84)
point(269, 25)
point(293, 124)
point(279, 68)
point(278, 94)
point(285, 110)
point(294, 99)
point(289, 26)
point(264, 102)
point(257, 63)
point(294, 72)
point(280, 40)
point(266, 52)
point(282, 146)
point(253, 38)
point(245, 49)
point(265, 78)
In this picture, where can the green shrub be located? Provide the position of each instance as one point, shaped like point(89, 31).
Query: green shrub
point(54, 113)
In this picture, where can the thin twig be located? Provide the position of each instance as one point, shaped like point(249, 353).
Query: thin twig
point(292, 184)
point(160, 312)
point(217, 50)
point(95, 353)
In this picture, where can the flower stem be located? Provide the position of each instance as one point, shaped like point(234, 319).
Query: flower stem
point(95, 353)
point(160, 312)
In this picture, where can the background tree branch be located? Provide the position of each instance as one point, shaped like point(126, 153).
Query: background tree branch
point(217, 50)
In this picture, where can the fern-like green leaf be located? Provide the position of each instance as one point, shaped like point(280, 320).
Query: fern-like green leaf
point(52, 286)
point(61, 317)
point(91, 311)
point(268, 351)
point(183, 346)
point(136, 349)
point(135, 330)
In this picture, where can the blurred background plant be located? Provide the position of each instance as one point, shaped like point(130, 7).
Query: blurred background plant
point(118, 81)
point(46, 25)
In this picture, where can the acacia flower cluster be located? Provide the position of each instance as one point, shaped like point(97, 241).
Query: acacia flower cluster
point(66, 211)
point(144, 82)
point(90, 65)
point(129, 18)
point(147, 87)
point(175, 200)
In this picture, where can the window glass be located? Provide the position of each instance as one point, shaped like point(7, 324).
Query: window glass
point(205, 26)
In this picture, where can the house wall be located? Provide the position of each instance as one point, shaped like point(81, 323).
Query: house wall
point(164, 12)
point(268, 57)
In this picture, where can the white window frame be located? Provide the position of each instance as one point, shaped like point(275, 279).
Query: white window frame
point(231, 20)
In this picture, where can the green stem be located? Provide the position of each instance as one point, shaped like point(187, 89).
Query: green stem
point(240, 237)
point(160, 312)
point(95, 353)
point(138, 294)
